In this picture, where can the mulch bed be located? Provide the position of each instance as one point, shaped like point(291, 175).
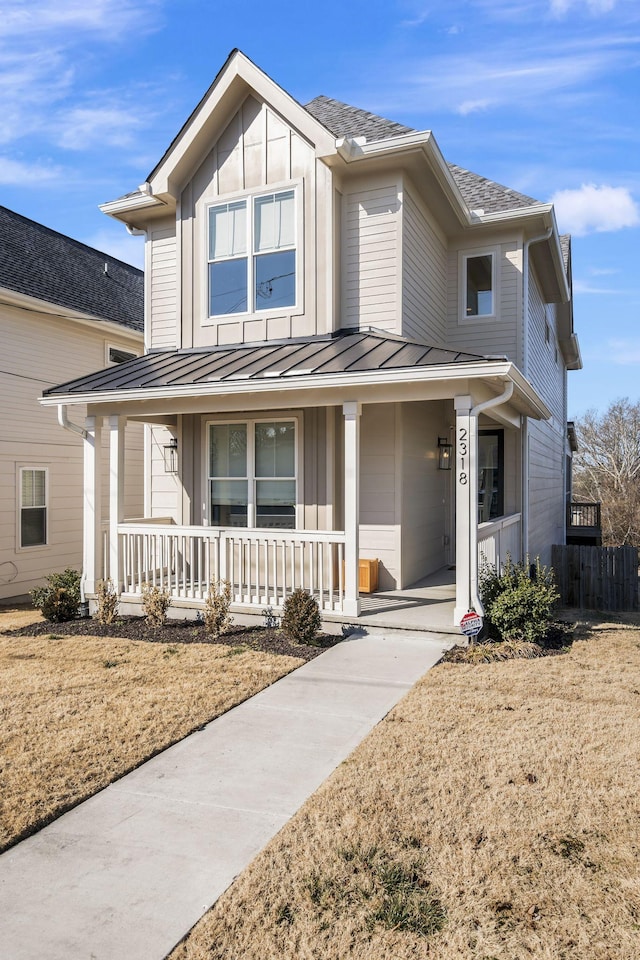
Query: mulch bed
point(179, 631)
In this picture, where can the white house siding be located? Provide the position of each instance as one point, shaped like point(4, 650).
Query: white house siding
point(164, 492)
point(40, 351)
point(424, 273)
point(493, 336)
point(546, 438)
point(424, 490)
point(380, 490)
point(161, 293)
point(258, 149)
point(371, 289)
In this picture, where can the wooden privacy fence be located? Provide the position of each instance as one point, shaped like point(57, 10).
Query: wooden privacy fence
point(597, 578)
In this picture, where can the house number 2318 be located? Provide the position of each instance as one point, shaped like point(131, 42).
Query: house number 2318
point(462, 453)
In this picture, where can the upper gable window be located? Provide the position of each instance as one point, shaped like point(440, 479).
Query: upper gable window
point(478, 282)
point(252, 254)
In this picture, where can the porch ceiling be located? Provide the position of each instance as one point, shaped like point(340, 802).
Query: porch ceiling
point(315, 370)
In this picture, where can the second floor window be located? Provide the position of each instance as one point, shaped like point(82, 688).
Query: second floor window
point(252, 254)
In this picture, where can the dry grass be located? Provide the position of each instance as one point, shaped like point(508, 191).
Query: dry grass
point(499, 804)
point(78, 712)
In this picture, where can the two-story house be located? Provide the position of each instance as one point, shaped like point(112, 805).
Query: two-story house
point(65, 309)
point(354, 350)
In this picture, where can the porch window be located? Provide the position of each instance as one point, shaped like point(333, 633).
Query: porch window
point(33, 507)
point(490, 475)
point(266, 226)
point(252, 474)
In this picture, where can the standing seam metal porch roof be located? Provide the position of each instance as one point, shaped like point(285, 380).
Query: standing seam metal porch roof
point(347, 352)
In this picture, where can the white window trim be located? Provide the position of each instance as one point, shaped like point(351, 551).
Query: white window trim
point(463, 256)
point(265, 191)
point(20, 468)
point(108, 347)
point(295, 415)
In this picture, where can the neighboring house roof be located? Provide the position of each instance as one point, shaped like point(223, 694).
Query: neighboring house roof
point(42, 263)
point(478, 192)
point(346, 352)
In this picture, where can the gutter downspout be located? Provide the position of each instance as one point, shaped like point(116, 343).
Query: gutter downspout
point(525, 370)
point(479, 408)
point(64, 422)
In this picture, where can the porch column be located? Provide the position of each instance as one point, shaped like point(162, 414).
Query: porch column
point(92, 553)
point(116, 496)
point(466, 511)
point(351, 411)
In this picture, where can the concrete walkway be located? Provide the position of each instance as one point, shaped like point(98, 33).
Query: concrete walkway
point(127, 873)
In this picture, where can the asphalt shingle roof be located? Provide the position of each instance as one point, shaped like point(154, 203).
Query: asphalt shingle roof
point(347, 352)
point(39, 262)
point(478, 192)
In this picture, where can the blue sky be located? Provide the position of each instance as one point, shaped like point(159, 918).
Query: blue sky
point(542, 95)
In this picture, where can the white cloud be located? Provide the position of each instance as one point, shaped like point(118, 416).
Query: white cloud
point(14, 173)
point(85, 127)
point(107, 18)
point(120, 245)
point(625, 352)
point(473, 106)
point(560, 7)
point(595, 209)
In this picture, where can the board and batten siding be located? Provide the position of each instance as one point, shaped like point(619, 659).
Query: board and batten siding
point(162, 289)
point(493, 336)
point(256, 151)
point(39, 351)
point(371, 230)
point(380, 491)
point(424, 273)
point(546, 438)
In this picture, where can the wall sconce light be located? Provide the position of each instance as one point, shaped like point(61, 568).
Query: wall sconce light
point(444, 453)
point(171, 456)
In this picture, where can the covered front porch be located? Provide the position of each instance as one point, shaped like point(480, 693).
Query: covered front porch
point(356, 474)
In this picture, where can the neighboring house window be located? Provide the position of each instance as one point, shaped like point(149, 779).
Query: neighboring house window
point(490, 474)
point(478, 285)
point(252, 254)
point(116, 355)
point(33, 507)
point(252, 474)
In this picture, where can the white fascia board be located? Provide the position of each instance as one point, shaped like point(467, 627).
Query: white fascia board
point(239, 72)
point(22, 301)
point(139, 201)
point(476, 370)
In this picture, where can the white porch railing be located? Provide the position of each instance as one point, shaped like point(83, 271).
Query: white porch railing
point(497, 538)
point(262, 566)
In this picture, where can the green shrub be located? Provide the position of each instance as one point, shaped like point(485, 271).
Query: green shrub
point(155, 603)
point(60, 599)
point(216, 609)
point(107, 602)
point(301, 618)
point(519, 602)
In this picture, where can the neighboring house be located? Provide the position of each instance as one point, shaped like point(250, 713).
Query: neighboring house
point(65, 309)
point(333, 315)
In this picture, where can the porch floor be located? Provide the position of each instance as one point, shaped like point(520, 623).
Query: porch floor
point(427, 606)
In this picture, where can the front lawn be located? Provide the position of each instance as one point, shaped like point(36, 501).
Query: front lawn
point(492, 816)
point(77, 712)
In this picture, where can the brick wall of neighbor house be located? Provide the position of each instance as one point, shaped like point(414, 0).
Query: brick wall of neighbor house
point(31, 436)
point(371, 293)
point(424, 272)
point(546, 438)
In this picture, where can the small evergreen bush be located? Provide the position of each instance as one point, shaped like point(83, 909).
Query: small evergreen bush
point(155, 603)
point(217, 619)
point(60, 599)
point(107, 602)
point(519, 602)
point(301, 618)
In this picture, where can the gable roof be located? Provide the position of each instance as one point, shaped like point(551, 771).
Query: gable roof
point(39, 262)
point(347, 121)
